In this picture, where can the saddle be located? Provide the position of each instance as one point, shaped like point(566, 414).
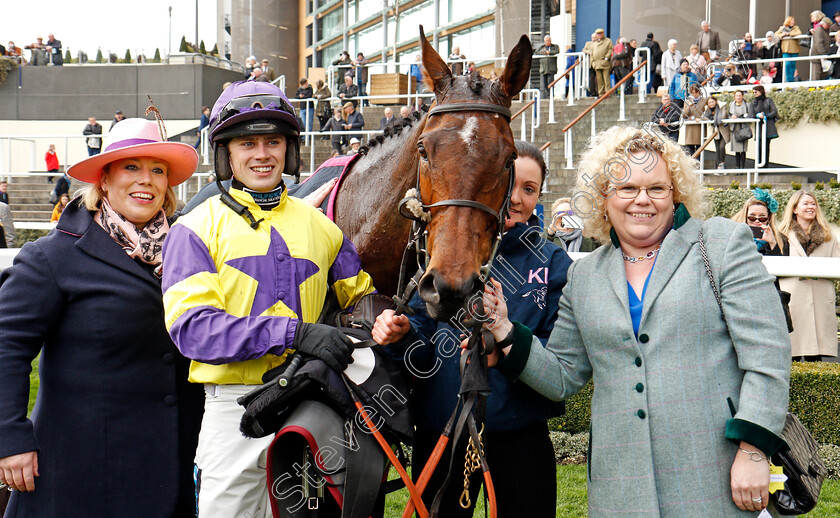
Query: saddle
point(325, 460)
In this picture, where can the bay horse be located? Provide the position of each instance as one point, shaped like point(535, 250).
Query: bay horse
point(462, 150)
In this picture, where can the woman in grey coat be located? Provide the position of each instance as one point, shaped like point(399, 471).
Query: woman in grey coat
point(688, 403)
point(739, 109)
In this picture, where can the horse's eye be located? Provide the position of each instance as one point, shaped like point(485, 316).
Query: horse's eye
point(422, 151)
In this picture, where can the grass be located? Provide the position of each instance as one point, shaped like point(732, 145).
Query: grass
point(572, 502)
point(34, 382)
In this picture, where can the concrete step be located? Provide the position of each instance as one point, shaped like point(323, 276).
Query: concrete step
point(31, 215)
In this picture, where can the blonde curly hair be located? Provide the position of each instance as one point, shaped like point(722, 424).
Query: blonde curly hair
point(608, 156)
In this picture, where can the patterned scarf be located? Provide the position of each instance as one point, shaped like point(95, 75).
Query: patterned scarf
point(145, 244)
point(815, 236)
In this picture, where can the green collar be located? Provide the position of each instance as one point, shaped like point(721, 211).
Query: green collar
point(681, 215)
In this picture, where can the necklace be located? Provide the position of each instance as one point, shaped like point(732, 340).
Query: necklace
point(649, 255)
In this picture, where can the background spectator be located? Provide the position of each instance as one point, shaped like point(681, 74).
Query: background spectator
point(835, 26)
point(670, 62)
point(15, 52)
point(729, 76)
point(655, 60)
point(59, 207)
point(457, 65)
point(811, 300)
point(760, 212)
point(601, 52)
point(416, 71)
point(708, 41)
point(693, 111)
point(307, 109)
point(820, 44)
point(355, 144)
point(342, 65)
point(8, 223)
point(354, 118)
point(834, 50)
point(250, 65)
point(405, 113)
point(4, 196)
point(548, 64)
point(52, 161)
point(203, 123)
point(361, 73)
point(336, 123)
point(764, 109)
point(38, 53)
point(53, 48)
point(772, 49)
point(94, 143)
point(593, 81)
point(681, 82)
point(739, 109)
point(322, 93)
point(258, 75)
point(716, 113)
point(62, 185)
point(118, 116)
point(620, 62)
point(348, 91)
point(697, 63)
point(667, 116)
point(749, 51)
point(787, 34)
point(387, 120)
point(268, 71)
point(566, 228)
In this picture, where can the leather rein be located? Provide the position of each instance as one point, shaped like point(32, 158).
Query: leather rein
point(417, 242)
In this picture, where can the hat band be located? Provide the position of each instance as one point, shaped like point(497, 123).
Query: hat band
point(130, 142)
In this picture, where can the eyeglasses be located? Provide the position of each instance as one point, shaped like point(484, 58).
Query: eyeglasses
point(760, 219)
point(564, 213)
point(657, 191)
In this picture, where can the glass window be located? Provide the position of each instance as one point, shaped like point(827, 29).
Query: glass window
point(422, 14)
point(329, 54)
point(329, 26)
point(368, 8)
point(476, 42)
point(370, 40)
point(459, 10)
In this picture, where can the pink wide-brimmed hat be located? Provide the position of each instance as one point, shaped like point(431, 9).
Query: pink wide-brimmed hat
point(138, 138)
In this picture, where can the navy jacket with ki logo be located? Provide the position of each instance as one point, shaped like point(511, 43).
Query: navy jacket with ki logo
point(532, 272)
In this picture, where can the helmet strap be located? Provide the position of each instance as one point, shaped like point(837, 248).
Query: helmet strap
point(237, 207)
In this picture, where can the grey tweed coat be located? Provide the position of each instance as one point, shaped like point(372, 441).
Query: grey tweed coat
point(663, 436)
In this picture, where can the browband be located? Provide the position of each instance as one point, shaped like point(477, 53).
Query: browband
point(468, 107)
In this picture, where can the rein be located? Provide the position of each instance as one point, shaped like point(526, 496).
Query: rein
point(473, 365)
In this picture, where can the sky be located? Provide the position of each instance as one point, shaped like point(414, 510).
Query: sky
point(114, 25)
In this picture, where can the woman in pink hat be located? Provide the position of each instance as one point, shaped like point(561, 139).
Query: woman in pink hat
point(115, 423)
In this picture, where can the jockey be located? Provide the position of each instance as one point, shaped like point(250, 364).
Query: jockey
point(245, 275)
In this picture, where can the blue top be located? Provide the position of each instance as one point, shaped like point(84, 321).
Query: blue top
point(679, 91)
point(532, 272)
point(636, 303)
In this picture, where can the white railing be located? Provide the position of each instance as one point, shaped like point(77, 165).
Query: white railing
point(806, 267)
point(642, 76)
point(6, 154)
point(526, 95)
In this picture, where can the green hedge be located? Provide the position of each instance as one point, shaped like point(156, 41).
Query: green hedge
point(727, 202)
point(797, 105)
point(814, 398)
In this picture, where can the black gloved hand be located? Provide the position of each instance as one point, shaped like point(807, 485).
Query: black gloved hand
point(324, 342)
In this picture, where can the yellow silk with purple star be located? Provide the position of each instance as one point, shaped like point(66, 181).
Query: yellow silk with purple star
point(223, 281)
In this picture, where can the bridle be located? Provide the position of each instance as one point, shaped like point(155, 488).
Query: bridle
point(412, 207)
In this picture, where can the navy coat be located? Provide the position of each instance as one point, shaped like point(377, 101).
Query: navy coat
point(116, 422)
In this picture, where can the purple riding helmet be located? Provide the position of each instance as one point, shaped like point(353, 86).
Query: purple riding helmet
point(253, 108)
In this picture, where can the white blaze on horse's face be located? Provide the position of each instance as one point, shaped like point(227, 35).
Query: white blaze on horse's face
point(467, 134)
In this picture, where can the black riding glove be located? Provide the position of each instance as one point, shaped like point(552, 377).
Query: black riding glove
point(324, 342)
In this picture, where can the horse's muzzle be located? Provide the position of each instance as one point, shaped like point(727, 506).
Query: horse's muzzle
point(444, 301)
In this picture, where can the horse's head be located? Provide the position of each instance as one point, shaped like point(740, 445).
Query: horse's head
point(466, 154)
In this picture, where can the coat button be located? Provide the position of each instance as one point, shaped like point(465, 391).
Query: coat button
point(643, 338)
point(281, 294)
point(640, 387)
point(641, 414)
point(280, 258)
point(170, 400)
point(168, 358)
point(638, 362)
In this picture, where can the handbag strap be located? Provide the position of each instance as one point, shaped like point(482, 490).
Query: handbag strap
point(709, 273)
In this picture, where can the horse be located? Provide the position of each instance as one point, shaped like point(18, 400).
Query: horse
point(460, 157)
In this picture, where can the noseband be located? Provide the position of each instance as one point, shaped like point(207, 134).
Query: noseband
point(412, 207)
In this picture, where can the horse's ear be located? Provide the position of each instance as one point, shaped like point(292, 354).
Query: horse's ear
point(437, 73)
point(518, 68)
